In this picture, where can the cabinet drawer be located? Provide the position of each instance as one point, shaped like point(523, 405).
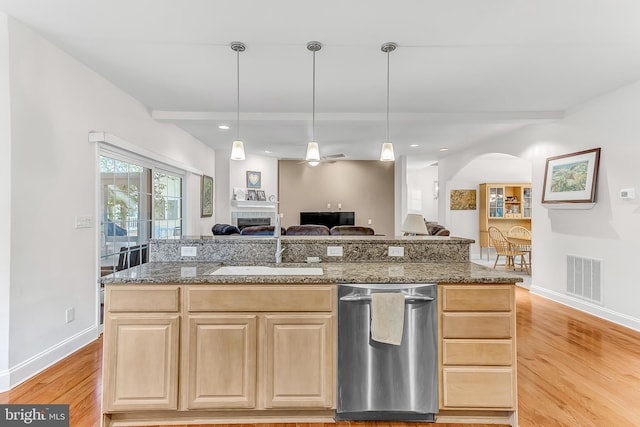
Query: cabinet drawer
point(478, 387)
point(151, 298)
point(477, 298)
point(477, 352)
point(261, 298)
point(477, 325)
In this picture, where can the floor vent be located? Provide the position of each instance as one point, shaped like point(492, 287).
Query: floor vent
point(584, 278)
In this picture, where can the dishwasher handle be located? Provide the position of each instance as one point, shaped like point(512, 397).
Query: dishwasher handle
point(367, 298)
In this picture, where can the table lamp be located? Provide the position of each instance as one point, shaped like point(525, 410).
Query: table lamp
point(414, 224)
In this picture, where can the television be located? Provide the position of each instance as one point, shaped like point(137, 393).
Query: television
point(330, 219)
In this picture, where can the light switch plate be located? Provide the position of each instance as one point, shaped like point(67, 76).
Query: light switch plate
point(628, 193)
point(188, 251)
point(334, 250)
point(84, 221)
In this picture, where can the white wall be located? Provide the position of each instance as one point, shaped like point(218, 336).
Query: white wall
point(492, 167)
point(5, 208)
point(267, 166)
point(611, 230)
point(55, 103)
point(420, 187)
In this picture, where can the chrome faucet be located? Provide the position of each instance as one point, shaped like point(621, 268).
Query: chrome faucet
point(276, 234)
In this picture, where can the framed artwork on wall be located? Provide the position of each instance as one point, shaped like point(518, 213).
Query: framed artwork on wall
point(571, 178)
point(206, 196)
point(254, 179)
point(463, 200)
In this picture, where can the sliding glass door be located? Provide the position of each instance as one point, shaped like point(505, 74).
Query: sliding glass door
point(137, 202)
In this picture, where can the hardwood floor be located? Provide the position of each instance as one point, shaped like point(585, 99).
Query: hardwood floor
point(573, 370)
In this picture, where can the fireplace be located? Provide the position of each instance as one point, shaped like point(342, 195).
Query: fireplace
point(248, 222)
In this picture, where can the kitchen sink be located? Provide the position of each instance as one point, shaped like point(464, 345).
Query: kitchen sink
point(259, 270)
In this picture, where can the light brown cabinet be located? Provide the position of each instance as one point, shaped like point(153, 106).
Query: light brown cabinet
point(477, 351)
point(299, 362)
point(260, 347)
point(222, 361)
point(235, 352)
point(503, 206)
point(141, 349)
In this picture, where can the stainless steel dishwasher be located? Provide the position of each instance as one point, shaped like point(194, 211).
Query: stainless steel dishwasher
point(378, 381)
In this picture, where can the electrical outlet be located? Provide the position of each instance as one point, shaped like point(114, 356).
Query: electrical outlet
point(188, 272)
point(369, 221)
point(70, 314)
point(396, 250)
point(334, 250)
point(188, 251)
point(312, 259)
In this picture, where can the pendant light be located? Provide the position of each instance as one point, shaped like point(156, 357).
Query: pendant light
point(386, 154)
point(313, 151)
point(237, 149)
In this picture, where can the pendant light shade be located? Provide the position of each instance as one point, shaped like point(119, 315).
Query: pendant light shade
point(313, 153)
point(386, 154)
point(313, 150)
point(237, 149)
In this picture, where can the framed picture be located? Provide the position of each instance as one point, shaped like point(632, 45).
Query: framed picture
point(463, 200)
point(251, 195)
point(254, 179)
point(571, 178)
point(239, 193)
point(206, 196)
point(261, 195)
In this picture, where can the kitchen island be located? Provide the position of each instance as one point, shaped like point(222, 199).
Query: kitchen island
point(183, 345)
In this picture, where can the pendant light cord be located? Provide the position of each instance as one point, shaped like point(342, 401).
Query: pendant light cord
point(388, 96)
point(313, 108)
point(238, 95)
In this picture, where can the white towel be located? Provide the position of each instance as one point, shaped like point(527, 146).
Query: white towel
point(387, 317)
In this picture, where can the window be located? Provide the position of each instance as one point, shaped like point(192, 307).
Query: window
point(138, 202)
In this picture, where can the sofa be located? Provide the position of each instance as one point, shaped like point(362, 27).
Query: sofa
point(224, 229)
point(436, 229)
point(261, 230)
point(351, 230)
point(308, 230)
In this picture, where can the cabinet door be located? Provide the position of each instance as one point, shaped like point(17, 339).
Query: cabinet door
point(141, 362)
point(526, 202)
point(222, 361)
point(300, 362)
point(496, 202)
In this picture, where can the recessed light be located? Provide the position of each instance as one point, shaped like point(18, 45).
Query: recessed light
point(444, 149)
point(223, 127)
point(414, 145)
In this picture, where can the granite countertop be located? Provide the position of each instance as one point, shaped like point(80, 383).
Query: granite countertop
point(362, 272)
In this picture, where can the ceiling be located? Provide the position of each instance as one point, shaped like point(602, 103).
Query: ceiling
point(464, 70)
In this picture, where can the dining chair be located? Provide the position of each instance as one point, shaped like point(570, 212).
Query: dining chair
point(521, 232)
point(504, 248)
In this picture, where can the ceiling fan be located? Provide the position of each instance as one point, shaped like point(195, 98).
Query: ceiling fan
point(331, 158)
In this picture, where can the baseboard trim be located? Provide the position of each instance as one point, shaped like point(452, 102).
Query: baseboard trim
point(24, 370)
point(596, 310)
